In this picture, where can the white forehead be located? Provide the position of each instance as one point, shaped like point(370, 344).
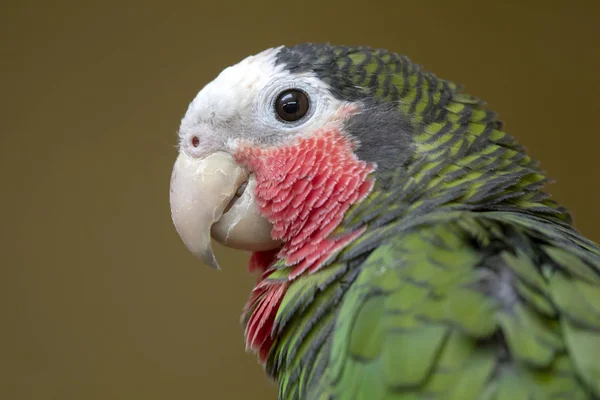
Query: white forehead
point(233, 89)
point(239, 105)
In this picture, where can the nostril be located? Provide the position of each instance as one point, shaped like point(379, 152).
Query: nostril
point(195, 141)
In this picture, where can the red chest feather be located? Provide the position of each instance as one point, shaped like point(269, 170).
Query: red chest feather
point(304, 190)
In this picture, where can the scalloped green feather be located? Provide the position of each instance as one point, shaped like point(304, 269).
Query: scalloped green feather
point(427, 318)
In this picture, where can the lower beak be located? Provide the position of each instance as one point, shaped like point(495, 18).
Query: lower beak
point(204, 204)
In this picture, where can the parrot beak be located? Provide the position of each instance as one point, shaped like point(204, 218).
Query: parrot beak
point(208, 198)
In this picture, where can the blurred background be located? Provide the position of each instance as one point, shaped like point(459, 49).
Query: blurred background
point(99, 299)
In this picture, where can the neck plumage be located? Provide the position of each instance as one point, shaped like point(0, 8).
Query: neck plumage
point(304, 190)
point(321, 198)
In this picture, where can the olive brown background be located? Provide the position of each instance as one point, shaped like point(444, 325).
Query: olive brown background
point(99, 299)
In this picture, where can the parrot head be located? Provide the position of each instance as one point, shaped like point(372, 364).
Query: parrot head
point(275, 150)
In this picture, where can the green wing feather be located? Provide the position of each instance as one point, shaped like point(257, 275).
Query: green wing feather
point(452, 311)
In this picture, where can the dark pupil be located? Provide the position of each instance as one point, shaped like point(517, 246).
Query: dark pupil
point(291, 105)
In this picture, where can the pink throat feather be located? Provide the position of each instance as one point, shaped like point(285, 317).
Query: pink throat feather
point(304, 190)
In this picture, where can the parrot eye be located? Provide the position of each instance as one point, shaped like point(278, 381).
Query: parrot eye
point(291, 105)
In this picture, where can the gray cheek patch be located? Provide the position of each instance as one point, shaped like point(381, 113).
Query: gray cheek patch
point(384, 133)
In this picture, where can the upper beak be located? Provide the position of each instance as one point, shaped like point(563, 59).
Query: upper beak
point(204, 204)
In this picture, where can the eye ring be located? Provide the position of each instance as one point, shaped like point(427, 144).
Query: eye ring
point(291, 105)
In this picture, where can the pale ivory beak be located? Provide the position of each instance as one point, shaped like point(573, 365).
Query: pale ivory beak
point(201, 191)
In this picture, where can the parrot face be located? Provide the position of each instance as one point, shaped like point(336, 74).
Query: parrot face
point(247, 128)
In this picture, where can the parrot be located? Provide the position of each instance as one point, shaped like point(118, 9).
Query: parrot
point(403, 243)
